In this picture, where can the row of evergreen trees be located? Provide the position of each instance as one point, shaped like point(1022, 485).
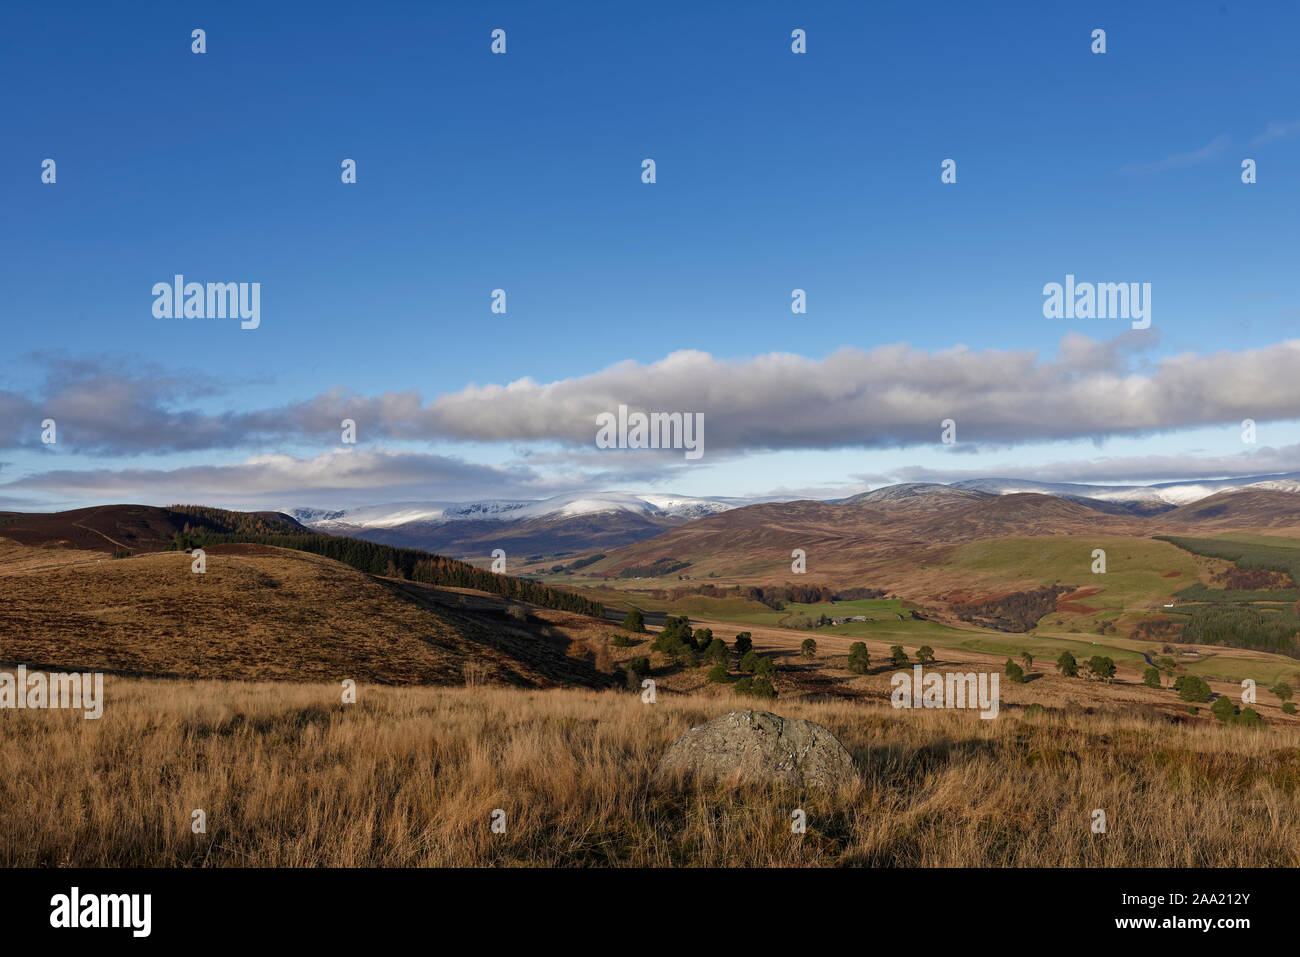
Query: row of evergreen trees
point(198, 518)
point(208, 527)
point(776, 596)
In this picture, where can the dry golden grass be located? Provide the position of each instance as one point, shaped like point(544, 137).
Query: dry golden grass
point(289, 776)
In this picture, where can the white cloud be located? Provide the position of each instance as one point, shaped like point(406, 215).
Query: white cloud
point(1276, 131)
point(896, 396)
point(1135, 469)
point(1211, 150)
point(338, 476)
point(888, 397)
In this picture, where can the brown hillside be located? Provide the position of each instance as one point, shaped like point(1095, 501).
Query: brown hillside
point(548, 535)
point(845, 538)
point(112, 528)
point(1257, 508)
point(267, 613)
point(865, 534)
point(137, 528)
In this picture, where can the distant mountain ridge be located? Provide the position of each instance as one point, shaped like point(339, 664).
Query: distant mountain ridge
point(564, 523)
point(652, 505)
point(1138, 499)
point(594, 521)
point(888, 537)
point(916, 494)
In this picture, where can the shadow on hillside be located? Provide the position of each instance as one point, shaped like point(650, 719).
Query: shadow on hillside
point(497, 623)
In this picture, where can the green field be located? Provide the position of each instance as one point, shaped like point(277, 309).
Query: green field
point(886, 627)
point(1135, 567)
point(919, 632)
point(696, 606)
point(744, 611)
point(1141, 575)
point(878, 608)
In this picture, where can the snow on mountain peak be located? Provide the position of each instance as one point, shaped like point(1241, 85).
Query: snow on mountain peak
point(1164, 494)
point(1271, 485)
point(1141, 499)
point(559, 506)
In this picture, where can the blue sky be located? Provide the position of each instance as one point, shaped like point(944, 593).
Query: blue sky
point(774, 171)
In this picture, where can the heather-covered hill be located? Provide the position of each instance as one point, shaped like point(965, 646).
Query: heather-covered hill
point(260, 612)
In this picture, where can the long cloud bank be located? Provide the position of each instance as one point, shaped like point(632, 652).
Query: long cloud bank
point(334, 477)
point(887, 397)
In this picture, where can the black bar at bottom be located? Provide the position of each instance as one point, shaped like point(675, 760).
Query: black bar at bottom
point(331, 907)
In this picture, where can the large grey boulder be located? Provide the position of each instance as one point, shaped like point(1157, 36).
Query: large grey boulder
point(759, 745)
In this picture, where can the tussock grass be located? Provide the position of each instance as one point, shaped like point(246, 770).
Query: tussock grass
point(289, 776)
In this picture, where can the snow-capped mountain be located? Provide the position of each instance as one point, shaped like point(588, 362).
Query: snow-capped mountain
point(1142, 499)
point(651, 505)
point(925, 494)
point(588, 522)
point(583, 521)
point(1272, 485)
point(403, 513)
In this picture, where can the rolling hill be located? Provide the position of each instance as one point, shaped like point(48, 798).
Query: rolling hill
point(105, 589)
point(920, 495)
point(1252, 507)
point(1135, 499)
point(134, 528)
point(882, 533)
point(877, 537)
point(261, 613)
point(961, 555)
point(587, 522)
